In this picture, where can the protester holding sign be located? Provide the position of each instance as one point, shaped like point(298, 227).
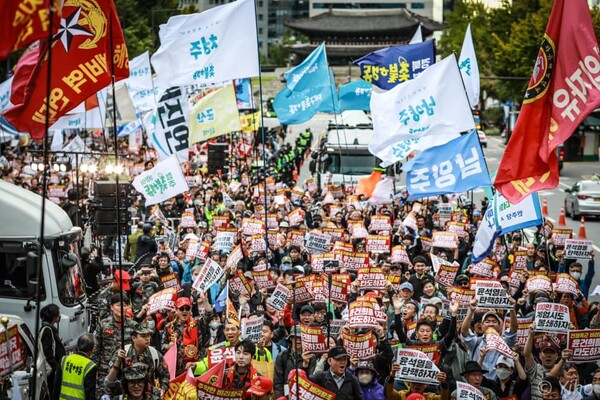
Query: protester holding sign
point(415, 387)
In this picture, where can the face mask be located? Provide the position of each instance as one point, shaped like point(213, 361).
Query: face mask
point(151, 325)
point(214, 325)
point(596, 389)
point(576, 275)
point(503, 373)
point(364, 379)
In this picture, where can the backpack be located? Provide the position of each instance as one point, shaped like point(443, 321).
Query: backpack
point(153, 353)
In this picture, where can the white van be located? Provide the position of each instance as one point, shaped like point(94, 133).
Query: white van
point(20, 249)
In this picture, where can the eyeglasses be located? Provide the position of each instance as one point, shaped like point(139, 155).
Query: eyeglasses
point(185, 308)
point(137, 382)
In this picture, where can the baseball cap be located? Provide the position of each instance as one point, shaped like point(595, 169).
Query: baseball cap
point(491, 314)
point(141, 329)
point(183, 301)
point(548, 345)
point(260, 386)
point(415, 396)
point(123, 278)
point(116, 298)
point(135, 371)
point(462, 278)
point(506, 361)
point(295, 331)
point(307, 308)
point(407, 285)
point(286, 259)
point(366, 365)
point(284, 224)
point(337, 352)
point(248, 275)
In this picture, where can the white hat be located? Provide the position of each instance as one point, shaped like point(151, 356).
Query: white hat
point(509, 362)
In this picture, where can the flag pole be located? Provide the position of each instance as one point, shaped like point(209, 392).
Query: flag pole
point(262, 131)
point(45, 171)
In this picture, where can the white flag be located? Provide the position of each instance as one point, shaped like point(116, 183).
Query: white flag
point(167, 129)
point(383, 193)
point(431, 104)
point(468, 68)
point(139, 83)
point(417, 37)
point(214, 46)
point(5, 88)
point(486, 235)
point(162, 182)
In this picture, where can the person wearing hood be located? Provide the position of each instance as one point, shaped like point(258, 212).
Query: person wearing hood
point(367, 378)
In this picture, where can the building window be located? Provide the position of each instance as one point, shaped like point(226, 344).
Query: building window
point(417, 5)
point(260, 31)
point(260, 3)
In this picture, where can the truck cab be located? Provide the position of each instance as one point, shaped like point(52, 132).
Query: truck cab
point(21, 249)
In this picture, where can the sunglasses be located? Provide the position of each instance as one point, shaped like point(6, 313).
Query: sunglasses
point(137, 382)
point(185, 308)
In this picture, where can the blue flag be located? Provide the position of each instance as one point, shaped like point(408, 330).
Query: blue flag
point(486, 235)
point(388, 67)
point(221, 302)
point(355, 96)
point(297, 107)
point(243, 94)
point(454, 167)
point(310, 73)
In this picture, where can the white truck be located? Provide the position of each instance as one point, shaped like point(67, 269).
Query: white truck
point(20, 250)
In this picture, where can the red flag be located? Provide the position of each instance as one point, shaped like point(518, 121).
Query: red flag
point(563, 90)
point(170, 358)
point(81, 65)
point(24, 21)
point(367, 185)
point(214, 376)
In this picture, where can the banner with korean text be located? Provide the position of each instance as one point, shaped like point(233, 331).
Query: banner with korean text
point(162, 182)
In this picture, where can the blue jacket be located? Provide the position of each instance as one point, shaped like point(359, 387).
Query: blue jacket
point(373, 391)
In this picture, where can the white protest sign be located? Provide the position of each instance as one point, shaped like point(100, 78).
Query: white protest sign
point(578, 249)
point(163, 300)
point(162, 182)
point(552, 318)
point(279, 297)
point(493, 341)
point(566, 284)
point(224, 240)
point(445, 240)
point(210, 273)
point(252, 328)
point(317, 243)
point(491, 294)
point(465, 391)
point(415, 366)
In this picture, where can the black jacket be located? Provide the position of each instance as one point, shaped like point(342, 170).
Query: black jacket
point(350, 389)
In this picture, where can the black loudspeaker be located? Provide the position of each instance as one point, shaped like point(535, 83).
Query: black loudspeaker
point(218, 157)
point(105, 210)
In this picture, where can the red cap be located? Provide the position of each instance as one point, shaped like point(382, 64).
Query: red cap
point(415, 396)
point(183, 301)
point(260, 386)
point(376, 294)
point(122, 277)
point(548, 345)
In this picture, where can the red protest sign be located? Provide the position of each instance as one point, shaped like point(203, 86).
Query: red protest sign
point(371, 278)
point(566, 284)
point(240, 284)
point(303, 389)
point(300, 293)
point(378, 244)
point(220, 354)
point(362, 315)
point(520, 262)
point(263, 280)
point(296, 238)
point(163, 300)
point(354, 261)
point(522, 330)
point(487, 268)
point(234, 258)
point(362, 346)
point(584, 345)
point(560, 236)
point(446, 273)
point(170, 281)
point(12, 353)
point(493, 341)
point(313, 340)
point(539, 283)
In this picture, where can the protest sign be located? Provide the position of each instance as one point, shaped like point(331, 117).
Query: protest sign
point(584, 345)
point(296, 217)
point(303, 389)
point(263, 279)
point(566, 284)
point(395, 280)
point(272, 221)
point(192, 249)
point(547, 228)
point(296, 238)
point(371, 278)
point(234, 258)
point(410, 222)
point(514, 279)
point(491, 294)
point(339, 289)
point(354, 261)
point(378, 244)
point(12, 352)
point(486, 268)
point(380, 223)
point(552, 317)
point(313, 340)
point(415, 366)
point(225, 239)
point(335, 327)
point(334, 233)
point(358, 230)
point(432, 351)
point(300, 292)
point(457, 227)
point(362, 315)
point(461, 295)
point(206, 391)
point(520, 262)
point(493, 341)
point(187, 219)
point(426, 243)
point(446, 272)
point(202, 250)
point(252, 328)
point(539, 283)
point(239, 283)
point(210, 273)
point(279, 297)
point(445, 240)
point(252, 226)
point(163, 300)
point(466, 391)
point(363, 347)
point(522, 330)
point(316, 242)
point(340, 247)
point(578, 249)
point(445, 209)
point(560, 236)
point(399, 255)
point(170, 281)
point(258, 244)
point(220, 353)
point(317, 261)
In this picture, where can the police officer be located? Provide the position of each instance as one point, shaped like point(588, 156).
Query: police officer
point(76, 378)
point(108, 336)
point(121, 279)
point(139, 352)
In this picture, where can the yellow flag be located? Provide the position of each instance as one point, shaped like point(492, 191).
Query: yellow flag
point(250, 122)
point(214, 115)
point(232, 315)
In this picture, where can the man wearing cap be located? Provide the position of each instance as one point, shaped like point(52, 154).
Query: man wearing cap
point(475, 344)
point(121, 278)
point(108, 335)
point(473, 375)
point(307, 315)
point(370, 387)
point(140, 352)
point(143, 287)
point(336, 380)
point(135, 382)
point(188, 332)
point(76, 377)
point(288, 360)
point(537, 372)
point(286, 263)
point(261, 388)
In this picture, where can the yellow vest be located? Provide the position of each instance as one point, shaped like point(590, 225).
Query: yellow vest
point(74, 367)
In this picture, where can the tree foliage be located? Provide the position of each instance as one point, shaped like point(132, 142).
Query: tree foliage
point(506, 40)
